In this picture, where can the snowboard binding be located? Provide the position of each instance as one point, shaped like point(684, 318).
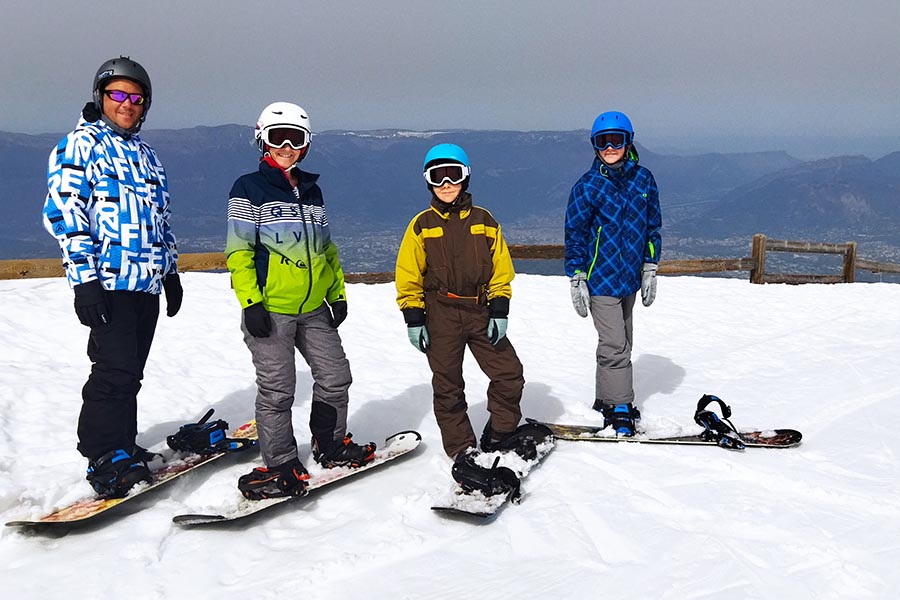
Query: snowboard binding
point(206, 437)
point(715, 429)
point(473, 477)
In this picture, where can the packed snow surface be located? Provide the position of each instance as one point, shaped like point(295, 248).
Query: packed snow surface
point(598, 520)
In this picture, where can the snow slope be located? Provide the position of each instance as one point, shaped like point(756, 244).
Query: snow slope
point(598, 520)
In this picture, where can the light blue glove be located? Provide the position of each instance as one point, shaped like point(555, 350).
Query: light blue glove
point(648, 283)
point(418, 337)
point(496, 329)
point(581, 297)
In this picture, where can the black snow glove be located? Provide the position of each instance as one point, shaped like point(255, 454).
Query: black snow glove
point(338, 312)
point(90, 304)
point(258, 321)
point(90, 112)
point(174, 293)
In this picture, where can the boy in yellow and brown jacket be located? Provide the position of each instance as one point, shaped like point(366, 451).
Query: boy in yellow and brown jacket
point(453, 285)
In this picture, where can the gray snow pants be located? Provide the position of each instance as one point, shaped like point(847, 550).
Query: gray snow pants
point(612, 319)
point(276, 379)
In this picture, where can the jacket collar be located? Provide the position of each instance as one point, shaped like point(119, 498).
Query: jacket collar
point(462, 205)
point(278, 177)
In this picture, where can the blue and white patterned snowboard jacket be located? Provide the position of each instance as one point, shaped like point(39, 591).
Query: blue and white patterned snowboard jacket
point(108, 206)
point(612, 227)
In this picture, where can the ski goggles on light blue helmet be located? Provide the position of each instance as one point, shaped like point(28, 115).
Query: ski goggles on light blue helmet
point(610, 139)
point(455, 173)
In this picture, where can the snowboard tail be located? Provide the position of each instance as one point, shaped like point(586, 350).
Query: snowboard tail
point(83, 510)
point(394, 447)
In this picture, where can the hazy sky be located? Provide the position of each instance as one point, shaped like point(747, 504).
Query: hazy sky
point(768, 74)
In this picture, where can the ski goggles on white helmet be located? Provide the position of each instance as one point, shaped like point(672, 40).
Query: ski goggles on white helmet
point(613, 139)
point(453, 172)
point(279, 136)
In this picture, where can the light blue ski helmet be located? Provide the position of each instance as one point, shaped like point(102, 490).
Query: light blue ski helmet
point(450, 152)
point(612, 120)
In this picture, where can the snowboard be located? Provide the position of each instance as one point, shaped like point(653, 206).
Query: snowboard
point(176, 466)
point(776, 438)
point(394, 447)
point(475, 505)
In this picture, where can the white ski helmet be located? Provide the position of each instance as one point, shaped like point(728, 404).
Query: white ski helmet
point(281, 115)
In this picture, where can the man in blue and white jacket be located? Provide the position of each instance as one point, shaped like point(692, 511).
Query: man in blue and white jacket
point(612, 251)
point(108, 206)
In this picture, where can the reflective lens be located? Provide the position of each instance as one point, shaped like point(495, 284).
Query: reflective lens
point(454, 173)
point(278, 137)
point(120, 96)
point(616, 139)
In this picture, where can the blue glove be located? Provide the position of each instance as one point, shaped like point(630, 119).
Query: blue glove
point(496, 329)
point(418, 337)
point(648, 283)
point(581, 297)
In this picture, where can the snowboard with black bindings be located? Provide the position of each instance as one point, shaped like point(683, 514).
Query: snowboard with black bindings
point(488, 481)
point(394, 447)
point(169, 464)
point(717, 431)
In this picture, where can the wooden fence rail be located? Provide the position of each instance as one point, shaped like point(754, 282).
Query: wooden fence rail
point(755, 263)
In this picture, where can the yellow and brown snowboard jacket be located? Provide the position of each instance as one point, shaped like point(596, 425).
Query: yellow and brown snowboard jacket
point(455, 250)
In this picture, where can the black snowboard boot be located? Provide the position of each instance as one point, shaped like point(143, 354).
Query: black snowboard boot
point(622, 417)
point(523, 441)
point(115, 473)
point(346, 453)
point(490, 482)
point(289, 479)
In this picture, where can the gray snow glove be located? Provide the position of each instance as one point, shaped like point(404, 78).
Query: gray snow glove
point(648, 283)
point(415, 328)
point(90, 304)
point(499, 309)
point(581, 297)
point(496, 330)
point(418, 337)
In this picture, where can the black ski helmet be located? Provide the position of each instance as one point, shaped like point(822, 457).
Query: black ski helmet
point(122, 68)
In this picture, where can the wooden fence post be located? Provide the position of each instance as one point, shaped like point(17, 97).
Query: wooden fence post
point(850, 263)
point(758, 255)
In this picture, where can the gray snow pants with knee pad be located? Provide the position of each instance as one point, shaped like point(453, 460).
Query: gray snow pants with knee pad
point(612, 319)
point(276, 379)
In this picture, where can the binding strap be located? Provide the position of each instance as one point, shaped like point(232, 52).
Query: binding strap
point(204, 437)
point(719, 430)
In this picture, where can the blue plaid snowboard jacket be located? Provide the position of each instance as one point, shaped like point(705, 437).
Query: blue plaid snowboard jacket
point(612, 227)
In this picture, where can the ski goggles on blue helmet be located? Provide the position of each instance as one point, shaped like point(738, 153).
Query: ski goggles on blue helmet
point(280, 136)
point(614, 139)
point(455, 173)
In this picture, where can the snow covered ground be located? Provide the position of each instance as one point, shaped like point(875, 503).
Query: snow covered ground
point(598, 520)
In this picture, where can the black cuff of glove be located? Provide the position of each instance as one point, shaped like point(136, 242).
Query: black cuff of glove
point(499, 307)
point(414, 317)
point(91, 112)
point(88, 293)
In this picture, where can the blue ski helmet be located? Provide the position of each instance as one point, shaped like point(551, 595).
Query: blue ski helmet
point(612, 120)
point(449, 152)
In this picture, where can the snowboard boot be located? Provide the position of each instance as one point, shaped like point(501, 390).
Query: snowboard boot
point(115, 473)
point(289, 479)
point(346, 453)
point(622, 417)
point(523, 441)
point(473, 477)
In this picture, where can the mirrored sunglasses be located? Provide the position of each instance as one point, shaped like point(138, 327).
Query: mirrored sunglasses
point(438, 174)
point(615, 139)
point(278, 137)
point(120, 96)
